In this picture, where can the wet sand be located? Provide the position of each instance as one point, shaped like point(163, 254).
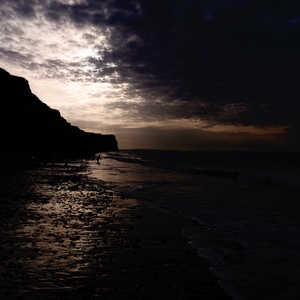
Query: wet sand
point(66, 236)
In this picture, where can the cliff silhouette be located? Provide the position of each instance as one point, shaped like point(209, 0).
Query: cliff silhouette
point(31, 129)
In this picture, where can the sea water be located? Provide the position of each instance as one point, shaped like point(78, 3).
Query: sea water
point(245, 206)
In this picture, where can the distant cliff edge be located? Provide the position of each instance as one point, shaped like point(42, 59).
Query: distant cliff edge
point(30, 128)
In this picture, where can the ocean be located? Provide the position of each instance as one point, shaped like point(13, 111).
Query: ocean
point(245, 206)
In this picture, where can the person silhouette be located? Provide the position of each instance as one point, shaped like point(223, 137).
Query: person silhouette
point(98, 159)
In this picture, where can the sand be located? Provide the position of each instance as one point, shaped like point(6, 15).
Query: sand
point(66, 236)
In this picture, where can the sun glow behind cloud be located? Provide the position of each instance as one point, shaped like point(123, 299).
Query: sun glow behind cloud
point(108, 68)
point(60, 64)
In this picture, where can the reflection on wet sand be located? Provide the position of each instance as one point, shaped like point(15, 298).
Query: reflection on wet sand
point(60, 237)
point(65, 235)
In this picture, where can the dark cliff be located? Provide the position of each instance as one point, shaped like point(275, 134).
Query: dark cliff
point(30, 128)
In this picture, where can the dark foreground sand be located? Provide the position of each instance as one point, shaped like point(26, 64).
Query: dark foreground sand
point(65, 236)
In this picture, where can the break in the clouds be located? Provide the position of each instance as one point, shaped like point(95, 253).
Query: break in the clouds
point(219, 72)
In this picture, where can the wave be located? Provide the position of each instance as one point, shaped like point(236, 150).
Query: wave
point(269, 169)
point(283, 181)
point(268, 179)
point(219, 173)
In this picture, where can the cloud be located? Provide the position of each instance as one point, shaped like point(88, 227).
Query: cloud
point(240, 56)
point(14, 55)
point(195, 139)
point(217, 62)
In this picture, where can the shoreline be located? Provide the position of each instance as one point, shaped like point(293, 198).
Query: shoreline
point(157, 261)
point(66, 236)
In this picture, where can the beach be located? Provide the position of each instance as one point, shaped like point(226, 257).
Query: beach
point(246, 226)
point(65, 235)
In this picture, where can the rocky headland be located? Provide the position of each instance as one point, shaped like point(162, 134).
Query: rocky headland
point(31, 129)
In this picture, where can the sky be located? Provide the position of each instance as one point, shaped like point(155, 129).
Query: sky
point(171, 74)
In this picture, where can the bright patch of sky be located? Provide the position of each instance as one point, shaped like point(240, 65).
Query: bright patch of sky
point(109, 68)
point(59, 63)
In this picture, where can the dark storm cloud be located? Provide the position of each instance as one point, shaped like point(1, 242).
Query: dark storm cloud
point(195, 139)
point(23, 8)
point(215, 52)
point(163, 109)
point(230, 61)
point(14, 55)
